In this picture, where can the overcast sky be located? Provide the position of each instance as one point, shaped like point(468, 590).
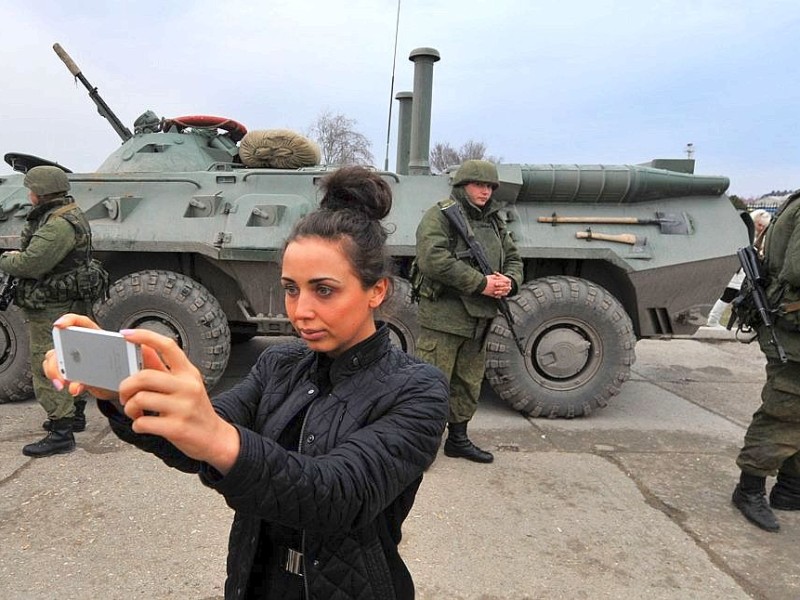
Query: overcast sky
point(538, 81)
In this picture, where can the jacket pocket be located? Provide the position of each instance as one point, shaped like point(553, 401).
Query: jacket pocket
point(782, 396)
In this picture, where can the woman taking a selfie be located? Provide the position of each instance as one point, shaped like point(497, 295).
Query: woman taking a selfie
point(320, 450)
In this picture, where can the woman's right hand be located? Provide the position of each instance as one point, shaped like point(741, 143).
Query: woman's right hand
point(50, 363)
point(166, 398)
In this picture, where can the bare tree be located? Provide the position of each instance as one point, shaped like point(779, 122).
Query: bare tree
point(473, 150)
point(444, 155)
point(339, 142)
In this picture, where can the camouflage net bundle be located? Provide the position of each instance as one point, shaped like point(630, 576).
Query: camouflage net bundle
point(278, 149)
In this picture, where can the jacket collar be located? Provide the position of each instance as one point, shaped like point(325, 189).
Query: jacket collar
point(41, 209)
point(334, 371)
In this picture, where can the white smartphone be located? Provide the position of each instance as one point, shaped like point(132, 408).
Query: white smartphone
point(95, 357)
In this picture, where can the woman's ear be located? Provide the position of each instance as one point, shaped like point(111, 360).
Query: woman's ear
point(379, 291)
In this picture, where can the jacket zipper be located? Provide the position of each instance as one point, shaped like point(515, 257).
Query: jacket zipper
point(303, 532)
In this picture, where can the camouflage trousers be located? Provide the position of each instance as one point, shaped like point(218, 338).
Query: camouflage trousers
point(57, 405)
point(462, 361)
point(772, 441)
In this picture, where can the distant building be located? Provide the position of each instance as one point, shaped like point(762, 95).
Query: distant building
point(768, 203)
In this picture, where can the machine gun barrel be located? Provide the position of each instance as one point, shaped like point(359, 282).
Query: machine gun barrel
point(122, 131)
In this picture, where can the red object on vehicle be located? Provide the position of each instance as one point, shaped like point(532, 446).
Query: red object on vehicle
point(235, 129)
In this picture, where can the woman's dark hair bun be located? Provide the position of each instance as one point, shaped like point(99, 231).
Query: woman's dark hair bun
point(357, 188)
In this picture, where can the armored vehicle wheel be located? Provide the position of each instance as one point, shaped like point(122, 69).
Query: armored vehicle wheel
point(175, 306)
point(400, 314)
point(15, 357)
point(579, 346)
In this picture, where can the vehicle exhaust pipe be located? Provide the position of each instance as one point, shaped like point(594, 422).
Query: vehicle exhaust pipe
point(404, 101)
point(419, 159)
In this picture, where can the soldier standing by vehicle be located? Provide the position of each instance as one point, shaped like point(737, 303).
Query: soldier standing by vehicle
point(56, 275)
point(772, 441)
point(457, 301)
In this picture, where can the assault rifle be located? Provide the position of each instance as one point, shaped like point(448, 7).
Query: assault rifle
point(8, 285)
point(751, 265)
point(453, 213)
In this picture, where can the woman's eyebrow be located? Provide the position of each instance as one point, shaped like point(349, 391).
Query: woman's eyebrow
point(314, 280)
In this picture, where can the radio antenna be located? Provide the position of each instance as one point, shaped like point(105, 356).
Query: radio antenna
point(391, 89)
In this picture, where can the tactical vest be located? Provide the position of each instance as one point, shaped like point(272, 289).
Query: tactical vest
point(77, 276)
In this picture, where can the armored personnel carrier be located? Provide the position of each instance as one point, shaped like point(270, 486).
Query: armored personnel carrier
point(192, 239)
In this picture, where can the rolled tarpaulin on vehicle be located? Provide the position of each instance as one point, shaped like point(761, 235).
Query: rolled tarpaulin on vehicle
point(612, 184)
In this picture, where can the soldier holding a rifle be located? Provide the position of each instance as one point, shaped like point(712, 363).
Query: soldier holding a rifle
point(770, 304)
point(468, 264)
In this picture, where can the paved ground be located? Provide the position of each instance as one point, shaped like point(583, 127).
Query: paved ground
point(632, 502)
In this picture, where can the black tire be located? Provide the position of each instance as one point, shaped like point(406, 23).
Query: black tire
point(400, 314)
point(176, 306)
point(579, 348)
point(16, 379)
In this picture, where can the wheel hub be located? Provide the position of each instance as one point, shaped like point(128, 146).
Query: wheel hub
point(160, 326)
point(562, 353)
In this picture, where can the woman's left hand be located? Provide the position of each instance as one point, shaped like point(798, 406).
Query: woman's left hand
point(170, 401)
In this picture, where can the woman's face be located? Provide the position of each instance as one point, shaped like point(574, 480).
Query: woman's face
point(325, 300)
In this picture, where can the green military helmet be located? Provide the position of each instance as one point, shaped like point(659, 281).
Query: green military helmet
point(46, 180)
point(476, 171)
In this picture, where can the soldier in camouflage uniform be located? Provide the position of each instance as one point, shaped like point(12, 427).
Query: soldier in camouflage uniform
point(457, 301)
point(772, 442)
point(53, 279)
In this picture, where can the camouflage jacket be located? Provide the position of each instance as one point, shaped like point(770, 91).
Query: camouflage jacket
point(782, 263)
point(451, 299)
point(54, 243)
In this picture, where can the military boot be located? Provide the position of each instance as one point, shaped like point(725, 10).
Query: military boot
point(750, 498)
point(458, 445)
point(78, 421)
point(785, 494)
point(59, 441)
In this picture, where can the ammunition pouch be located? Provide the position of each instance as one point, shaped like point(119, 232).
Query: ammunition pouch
point(92, 281)
point(87, 282)
point(421, 286)
point(30, 294)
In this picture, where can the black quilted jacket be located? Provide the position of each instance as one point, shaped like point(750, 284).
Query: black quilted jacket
point(363, 449)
